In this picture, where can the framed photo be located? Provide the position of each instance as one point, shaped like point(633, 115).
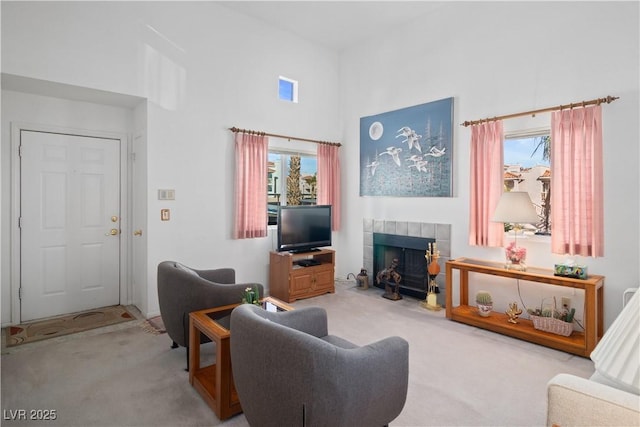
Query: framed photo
point(408, 152)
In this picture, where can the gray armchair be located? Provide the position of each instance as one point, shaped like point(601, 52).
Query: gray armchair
point(288, 371)
point(182, 290)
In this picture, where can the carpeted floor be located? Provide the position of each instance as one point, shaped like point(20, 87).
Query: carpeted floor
point(121, 375)
point(65, 325)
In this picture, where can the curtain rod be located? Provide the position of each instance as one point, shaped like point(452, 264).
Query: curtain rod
point(255, 132)
point(597, 101)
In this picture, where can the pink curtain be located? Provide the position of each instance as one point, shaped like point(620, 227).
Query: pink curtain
point(329, 181)
point(577, 182)
point(251, 186)
point(487, 182)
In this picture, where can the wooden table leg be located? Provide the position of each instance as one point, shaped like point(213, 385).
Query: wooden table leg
point(223, 372)
point(449, 290)
point(590, 319)
point(464, 287)
point(194, 350)
point(600, 313)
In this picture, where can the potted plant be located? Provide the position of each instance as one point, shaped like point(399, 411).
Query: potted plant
point(552, 320)
point(251, 296)
point(484, 303)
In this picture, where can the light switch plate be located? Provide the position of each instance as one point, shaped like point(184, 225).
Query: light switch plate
point(167, 194)
point(165, 214)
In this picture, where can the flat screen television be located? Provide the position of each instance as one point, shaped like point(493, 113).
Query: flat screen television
point(304, 228)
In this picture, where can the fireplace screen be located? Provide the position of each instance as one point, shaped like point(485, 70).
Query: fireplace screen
point(412, 266)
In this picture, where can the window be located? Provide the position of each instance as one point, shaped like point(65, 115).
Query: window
point(292, 179)
point(527, 168)
point(287, 89)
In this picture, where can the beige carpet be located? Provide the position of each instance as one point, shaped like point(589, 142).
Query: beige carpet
point(67, 324)
point(122, 376)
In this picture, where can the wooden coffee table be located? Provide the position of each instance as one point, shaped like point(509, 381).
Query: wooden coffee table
point(215, 382)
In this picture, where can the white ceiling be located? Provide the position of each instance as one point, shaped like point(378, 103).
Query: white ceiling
point(335, 24)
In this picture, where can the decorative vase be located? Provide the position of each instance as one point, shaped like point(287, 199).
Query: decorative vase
point(433, 268)
point(515, 265)
point(484, 310)
point(515, 257)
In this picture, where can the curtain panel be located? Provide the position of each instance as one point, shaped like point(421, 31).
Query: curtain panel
point(251, 186)
point(329, 181)
point(487, 182)
point(577, 207)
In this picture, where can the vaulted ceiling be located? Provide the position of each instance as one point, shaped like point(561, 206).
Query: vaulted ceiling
point(335, 24)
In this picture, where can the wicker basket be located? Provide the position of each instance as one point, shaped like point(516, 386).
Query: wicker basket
point(553, 325)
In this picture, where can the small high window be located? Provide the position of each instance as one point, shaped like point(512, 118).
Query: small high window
point(287, 89)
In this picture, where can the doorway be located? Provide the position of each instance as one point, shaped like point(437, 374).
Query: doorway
point(70, 207)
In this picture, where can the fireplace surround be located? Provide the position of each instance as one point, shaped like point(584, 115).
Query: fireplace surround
point(407, 241)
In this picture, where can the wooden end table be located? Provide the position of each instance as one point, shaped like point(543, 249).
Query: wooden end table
point(215, 382)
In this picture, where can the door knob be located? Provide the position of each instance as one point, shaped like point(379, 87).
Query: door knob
point(137, 233)
point(114, 219)
point(114, 232)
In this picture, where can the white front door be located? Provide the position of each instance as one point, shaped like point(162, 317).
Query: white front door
point(69, 223)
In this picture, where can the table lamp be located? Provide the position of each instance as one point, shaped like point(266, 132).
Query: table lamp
point(515, 207)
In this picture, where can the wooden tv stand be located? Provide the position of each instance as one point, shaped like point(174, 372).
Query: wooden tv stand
point(289, 281)
point(580, 343)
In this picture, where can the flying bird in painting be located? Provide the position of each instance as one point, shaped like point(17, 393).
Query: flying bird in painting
point(420, 165)
point(434, 152)
point(411, 137)
point(373, 165)
point(394, 153)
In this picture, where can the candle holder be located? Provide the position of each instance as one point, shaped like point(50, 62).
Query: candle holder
point(432, 255)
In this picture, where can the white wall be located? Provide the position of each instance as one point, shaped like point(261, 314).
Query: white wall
point(500, 58)
point(203, 69)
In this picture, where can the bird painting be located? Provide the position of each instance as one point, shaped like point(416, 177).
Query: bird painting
point(408, 152)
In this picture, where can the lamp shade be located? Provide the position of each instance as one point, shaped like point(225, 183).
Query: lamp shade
point(515, 207)
point(617, 355)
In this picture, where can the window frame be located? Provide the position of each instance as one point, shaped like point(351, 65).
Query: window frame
point(294, 89)
point(288, 150)
point(531, 133)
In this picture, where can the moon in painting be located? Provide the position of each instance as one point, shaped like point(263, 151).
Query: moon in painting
point(376, 130)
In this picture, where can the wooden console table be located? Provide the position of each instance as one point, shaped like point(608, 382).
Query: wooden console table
point(580, 343)
point(215, 382)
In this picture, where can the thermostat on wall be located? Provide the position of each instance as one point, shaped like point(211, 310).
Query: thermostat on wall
point(167, 194)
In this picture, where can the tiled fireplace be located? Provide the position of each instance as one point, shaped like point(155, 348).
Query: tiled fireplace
point(405, 241)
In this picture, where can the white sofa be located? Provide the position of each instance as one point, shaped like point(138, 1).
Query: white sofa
point(604, 399)
point(575, 401)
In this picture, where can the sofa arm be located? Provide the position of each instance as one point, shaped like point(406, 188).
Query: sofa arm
point(576, 401)
point(310, 320)
point(218, 275)
point(374, 380)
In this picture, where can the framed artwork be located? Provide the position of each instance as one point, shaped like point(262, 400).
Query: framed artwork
point(408, 152)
